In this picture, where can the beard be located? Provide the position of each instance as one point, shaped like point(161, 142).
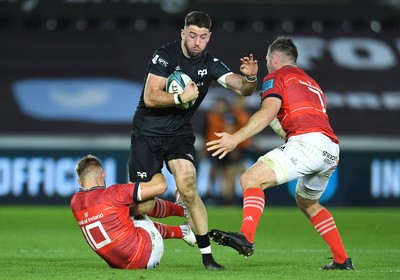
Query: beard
point(190, 52)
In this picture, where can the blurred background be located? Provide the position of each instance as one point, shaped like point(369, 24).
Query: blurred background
point(71, 73)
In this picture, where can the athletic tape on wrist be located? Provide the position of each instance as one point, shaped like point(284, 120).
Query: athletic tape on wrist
point(180, 99)
point(251, 79)
point(137, 194)
point(177, 99)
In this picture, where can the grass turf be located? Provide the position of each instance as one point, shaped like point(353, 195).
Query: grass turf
point(46, 243)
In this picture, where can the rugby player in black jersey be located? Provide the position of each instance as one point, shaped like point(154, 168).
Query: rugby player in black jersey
point(163, 133)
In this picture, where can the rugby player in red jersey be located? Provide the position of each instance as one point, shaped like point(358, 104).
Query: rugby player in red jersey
point(293, 104)
point(104, 216)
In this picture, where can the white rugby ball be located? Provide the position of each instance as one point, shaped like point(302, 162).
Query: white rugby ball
point(176, 84)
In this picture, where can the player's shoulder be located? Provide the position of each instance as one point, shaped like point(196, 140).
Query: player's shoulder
point(216, 64)
point(211, 58)
point(172, 48)
point(285, 72)
point(290, 70)
point(119, 188)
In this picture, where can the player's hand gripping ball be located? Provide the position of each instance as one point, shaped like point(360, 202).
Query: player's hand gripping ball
point(176, 84)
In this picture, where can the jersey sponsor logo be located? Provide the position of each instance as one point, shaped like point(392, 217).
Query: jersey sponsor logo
point(202, 72)
point(267, 85)
point(141, 174)
point(155, 58)
point(330, 159)
point(158, 59)
point(163, 62)
point(90, 219)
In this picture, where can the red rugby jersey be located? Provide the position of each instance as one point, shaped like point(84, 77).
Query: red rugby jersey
point(303, 108)
point(103, 216)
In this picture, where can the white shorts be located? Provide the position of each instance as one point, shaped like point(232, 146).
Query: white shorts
point(156, 240)
point(311, 158)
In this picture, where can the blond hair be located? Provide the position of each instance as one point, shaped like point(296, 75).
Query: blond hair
point(85, 166)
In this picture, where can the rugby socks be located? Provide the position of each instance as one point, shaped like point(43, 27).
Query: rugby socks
point(164, 208)
point(325, 225)
point(253, 207)
point(168, 232)
point(203, 242)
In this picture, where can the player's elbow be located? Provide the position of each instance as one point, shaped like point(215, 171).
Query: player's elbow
point(148, 102)
point(160, 183)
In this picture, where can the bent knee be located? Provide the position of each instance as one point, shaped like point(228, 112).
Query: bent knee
point(309, 207)
point(248, 180)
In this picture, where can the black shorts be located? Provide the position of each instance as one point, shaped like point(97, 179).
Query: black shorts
point(148, 154)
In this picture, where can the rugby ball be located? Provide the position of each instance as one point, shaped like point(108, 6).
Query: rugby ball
point(176, 84)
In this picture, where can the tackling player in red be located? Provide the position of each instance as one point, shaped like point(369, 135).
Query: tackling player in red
point(293, 104)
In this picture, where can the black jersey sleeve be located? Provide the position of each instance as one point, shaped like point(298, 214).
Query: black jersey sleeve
point(218, 68)
point(165, 59)
point(161, 63)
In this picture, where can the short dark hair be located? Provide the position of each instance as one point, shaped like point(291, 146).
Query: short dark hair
point(286, 46)
point(199, 19)
point(82, 168)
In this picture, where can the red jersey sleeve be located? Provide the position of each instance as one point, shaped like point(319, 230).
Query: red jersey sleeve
point(122, 194)
point(272, 87)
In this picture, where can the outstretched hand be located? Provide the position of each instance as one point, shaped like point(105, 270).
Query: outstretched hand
point(249, 66)
point(226, 143)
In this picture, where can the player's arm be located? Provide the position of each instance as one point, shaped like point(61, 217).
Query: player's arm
point(246, 83)
point(277, 127)
point(258, 121)
point(155, 187)
point(148, 190)
point(155, 95)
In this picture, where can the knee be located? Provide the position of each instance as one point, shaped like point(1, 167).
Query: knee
point(300, 204)
point(187, 189)
point(247, 181)
point(309, 207)
point(244, 181)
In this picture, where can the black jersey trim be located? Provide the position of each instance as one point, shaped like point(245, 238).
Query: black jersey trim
point(273, 95)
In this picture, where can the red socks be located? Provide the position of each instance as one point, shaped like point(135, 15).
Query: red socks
point(165, 208)
point(253, 207)
point(325, 225)
point(168, 231)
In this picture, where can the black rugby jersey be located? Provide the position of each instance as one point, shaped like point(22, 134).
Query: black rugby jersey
point(173, 121)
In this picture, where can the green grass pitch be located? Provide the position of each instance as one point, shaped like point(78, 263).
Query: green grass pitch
point(46, 243)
